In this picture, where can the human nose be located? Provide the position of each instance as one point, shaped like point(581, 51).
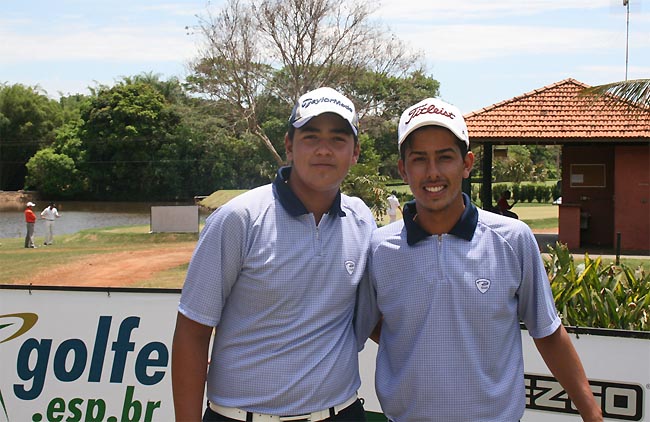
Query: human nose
point(323, 147)
point(432, 169)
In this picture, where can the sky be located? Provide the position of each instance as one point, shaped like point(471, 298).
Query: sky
point(481, 51)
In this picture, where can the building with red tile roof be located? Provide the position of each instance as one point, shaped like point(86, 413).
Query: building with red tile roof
point(605, 159)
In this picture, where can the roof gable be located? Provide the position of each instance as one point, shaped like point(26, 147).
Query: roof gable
point(557, 113)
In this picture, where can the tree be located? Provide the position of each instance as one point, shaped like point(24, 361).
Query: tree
point(28, 119)
point(385, 98)
point(53, 175)
point(362, 181)
point(127, 136)
point(283, 49)
point(635, 92)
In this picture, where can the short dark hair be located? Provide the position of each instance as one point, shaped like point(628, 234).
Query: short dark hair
point(462, 146)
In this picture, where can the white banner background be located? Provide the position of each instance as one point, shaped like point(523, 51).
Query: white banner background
point(619, 367)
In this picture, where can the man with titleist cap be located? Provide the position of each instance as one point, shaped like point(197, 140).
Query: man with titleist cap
point(275, 274)
point(449, 284)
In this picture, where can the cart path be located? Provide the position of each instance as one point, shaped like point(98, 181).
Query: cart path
point(115, 269)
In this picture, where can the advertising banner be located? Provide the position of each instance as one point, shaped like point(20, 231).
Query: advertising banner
point(73, 354)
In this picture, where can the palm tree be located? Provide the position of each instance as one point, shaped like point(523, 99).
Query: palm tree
point(635, 92)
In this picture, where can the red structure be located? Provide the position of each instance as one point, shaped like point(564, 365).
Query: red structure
point(605, 159)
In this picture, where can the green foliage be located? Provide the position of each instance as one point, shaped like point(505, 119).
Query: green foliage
point(147, 139)
point(635, 92)
point(240, 164)
point(381, 100)
point(27, 122)
point(543, 193)
point(596, 295)
point(534, 163)
point(54, 175)
point(524, 192)
point(126, 132)
point(364, 182)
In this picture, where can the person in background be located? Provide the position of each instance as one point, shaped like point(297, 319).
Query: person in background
point(505, 207)
point(275, 275)
point(49, 214)
point(30, 221)
point(393, 206)
point(450, 284)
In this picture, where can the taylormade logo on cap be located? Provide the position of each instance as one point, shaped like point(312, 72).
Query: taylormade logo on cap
point(432, 112)
point(324, 100)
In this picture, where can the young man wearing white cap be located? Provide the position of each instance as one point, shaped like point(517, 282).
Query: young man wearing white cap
point(275, 273)
point(450, 284)
point(30, 221)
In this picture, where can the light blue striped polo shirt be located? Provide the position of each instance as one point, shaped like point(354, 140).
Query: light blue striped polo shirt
point(281, 291)
point(450, 347)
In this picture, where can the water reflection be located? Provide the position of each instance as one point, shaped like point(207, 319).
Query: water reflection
point(77, 216)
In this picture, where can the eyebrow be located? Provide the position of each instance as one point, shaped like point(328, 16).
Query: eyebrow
point(315, 129)
point(436, 152)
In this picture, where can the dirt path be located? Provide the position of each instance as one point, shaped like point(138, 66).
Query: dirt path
point(123, 269)
point(117, 269)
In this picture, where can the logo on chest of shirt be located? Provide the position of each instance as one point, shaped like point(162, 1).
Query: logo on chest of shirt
point(349, 266)
point(482, 284)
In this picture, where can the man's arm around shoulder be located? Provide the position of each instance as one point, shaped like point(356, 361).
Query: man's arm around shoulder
point(189, 367)
point(563, 361)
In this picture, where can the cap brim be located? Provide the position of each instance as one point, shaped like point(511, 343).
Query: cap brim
point(423, 124)
point(304, 120)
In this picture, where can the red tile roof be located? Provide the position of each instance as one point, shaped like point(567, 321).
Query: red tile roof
point(557, 114)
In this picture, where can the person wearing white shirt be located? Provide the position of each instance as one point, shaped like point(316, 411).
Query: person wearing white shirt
point(393, 206)
point(49, 214)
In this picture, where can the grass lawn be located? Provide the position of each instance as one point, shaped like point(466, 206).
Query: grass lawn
point(17, 261)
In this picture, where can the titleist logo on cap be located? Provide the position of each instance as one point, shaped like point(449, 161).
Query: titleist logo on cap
point(428, 109)
point(309, 101)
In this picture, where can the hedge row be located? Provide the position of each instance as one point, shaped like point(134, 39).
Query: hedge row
point(521, 193)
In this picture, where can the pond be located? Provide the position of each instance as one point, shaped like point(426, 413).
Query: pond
point(77, 216)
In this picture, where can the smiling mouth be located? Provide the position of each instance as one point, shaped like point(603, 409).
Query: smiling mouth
point(433, 189)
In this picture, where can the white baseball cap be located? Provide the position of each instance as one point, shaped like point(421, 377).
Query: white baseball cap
point(324, 100)
point(432, 112)
point(31, 204)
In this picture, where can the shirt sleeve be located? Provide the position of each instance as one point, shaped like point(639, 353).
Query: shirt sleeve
point(366, 313)
point(215, 266)
point(536, 304)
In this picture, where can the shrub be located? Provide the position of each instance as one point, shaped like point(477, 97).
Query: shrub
point(543, 193)
point(597, 295)
point(527, 193)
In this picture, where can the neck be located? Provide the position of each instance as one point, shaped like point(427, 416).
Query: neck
point(317, 203)
point(439, 221)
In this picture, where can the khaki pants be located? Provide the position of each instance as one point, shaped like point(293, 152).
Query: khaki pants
point(29, 237)
point(49, 232)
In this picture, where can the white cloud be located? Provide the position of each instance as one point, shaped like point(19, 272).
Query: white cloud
point(398, 10)
point(176, 9)
point(478, 42)
point(153, 43)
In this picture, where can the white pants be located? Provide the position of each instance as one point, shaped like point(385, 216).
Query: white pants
point(49, 232)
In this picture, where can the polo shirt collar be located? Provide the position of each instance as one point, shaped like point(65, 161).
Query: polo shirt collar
point(464, 227)
point(290, 201)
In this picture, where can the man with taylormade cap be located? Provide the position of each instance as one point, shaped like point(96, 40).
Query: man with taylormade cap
point(275, 274)
point(450, 284)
